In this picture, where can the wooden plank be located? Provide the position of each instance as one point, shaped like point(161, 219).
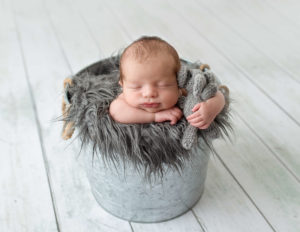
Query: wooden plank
point(262, 14)
point(252, 109)
point(280, 50)
point(25, 198)
point(267, 183)
point(289, 10)
point(265, 15)
point(77, 44)
point(108, 36)
point(224, 205)
point(291, 27)
point(46, 65)
point(279, 26)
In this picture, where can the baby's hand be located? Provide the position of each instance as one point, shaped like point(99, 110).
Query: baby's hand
point(203, 115)
point(173, 115)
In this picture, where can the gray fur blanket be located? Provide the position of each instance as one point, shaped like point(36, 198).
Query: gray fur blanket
point(148, 146)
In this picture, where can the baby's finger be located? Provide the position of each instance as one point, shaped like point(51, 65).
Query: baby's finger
point(200, 125)
point(194, 115)
point(177, 114)
point(173, 120)
point(205, 126)
point(196, 107)
point(196, 120)
point(179, 111)
point(194, 124)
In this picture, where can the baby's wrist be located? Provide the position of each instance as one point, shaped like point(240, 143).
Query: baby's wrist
point(215, 105)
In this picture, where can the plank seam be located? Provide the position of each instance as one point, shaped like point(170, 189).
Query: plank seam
point(91, 35)
point(290, 74)
point(245, 192)
point(255, 20)
point(38, 125)
point(57, 38)
point(203, 227)
point(270, 149)
point(118, 19)
point(283, 16)
point(132, 230)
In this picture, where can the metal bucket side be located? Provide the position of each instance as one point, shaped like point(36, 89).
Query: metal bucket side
point(125, 193)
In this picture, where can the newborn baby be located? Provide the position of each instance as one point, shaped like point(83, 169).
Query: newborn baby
point(148, 77)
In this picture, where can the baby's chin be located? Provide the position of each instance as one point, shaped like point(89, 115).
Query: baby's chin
point(152, 110)
point(156, 109)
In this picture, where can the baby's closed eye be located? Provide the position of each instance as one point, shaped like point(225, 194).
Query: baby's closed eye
point(134, 87)
point(165, 85)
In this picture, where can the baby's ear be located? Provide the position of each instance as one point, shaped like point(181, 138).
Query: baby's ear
point(182, 92)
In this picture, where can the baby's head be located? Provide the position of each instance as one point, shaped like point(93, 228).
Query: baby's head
point(148, 74)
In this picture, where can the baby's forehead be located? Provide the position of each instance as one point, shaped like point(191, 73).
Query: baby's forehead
point(143, 58)
point(157, 77)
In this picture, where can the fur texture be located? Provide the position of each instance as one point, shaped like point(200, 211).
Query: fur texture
point(148, 146)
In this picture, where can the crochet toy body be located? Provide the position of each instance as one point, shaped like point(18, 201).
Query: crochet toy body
point(199, 87)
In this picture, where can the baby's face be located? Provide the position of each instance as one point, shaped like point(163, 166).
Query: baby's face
point(150, 85)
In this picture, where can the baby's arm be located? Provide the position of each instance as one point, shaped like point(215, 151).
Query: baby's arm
point(121, 112)
point(205, 112)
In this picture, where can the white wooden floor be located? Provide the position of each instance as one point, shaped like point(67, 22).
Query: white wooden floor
point(253, 46)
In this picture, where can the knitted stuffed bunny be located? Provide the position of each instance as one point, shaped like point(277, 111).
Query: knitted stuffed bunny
point(200, 84)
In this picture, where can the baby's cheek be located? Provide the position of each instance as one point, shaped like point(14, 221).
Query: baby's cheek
point(171, 99)
point(131, 98)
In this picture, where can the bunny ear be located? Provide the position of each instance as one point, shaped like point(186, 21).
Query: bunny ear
point(182, 76)
point(199, 82)
point(212, 85)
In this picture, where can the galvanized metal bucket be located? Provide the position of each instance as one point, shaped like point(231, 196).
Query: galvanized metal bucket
point(123, 191)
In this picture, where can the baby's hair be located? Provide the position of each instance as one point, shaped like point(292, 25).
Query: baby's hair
point(149, 46)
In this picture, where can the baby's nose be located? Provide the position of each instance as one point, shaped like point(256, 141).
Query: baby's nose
point(150, 91)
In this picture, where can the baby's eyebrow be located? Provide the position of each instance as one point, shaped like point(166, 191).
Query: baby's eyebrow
point(131, 82)
point(167, 81)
